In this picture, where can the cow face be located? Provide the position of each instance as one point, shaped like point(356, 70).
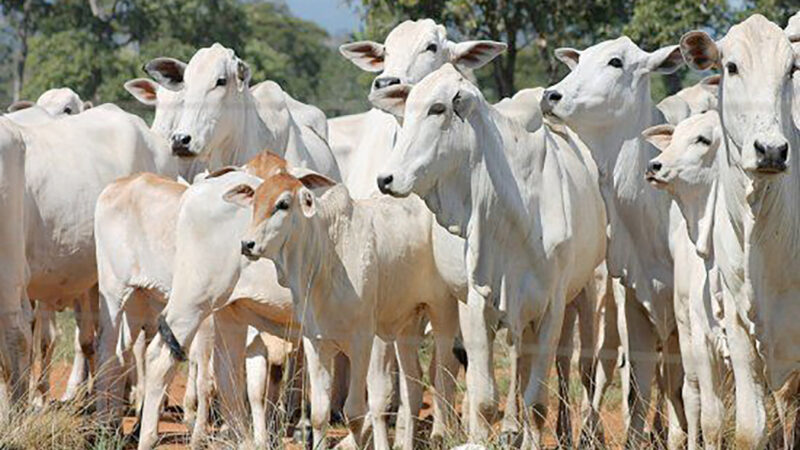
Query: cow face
point(414, 49)
point(606, 83)
point(213, 86)
point(282, 206)
point(435, 141)
point(757, 64)
point(688, 154)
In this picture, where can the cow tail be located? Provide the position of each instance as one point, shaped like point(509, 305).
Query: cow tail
point(172, 343)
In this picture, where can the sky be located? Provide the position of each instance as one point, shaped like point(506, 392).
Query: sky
point(333, 15)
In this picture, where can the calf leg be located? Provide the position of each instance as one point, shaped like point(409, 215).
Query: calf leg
point(200, 358)
point(563, 359)
point(379, 386)
point(355, 408)
point(15, 350)
point(229, 356)
point(44, 337)
point(86, 307)
point(445, 328)
point(256, 371)
point(672, 380)
point(318, 360)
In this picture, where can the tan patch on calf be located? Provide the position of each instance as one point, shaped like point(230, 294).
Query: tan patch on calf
point(268, 192)
point(265, 165)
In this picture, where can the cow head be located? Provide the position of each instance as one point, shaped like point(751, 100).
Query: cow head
point(62, 102)
point(436, 141)
point(757, 64)
point(167, 103)
point(695, 99)
point(607, 82)
point(281, 207)
point(414, 49)
point(213, 86)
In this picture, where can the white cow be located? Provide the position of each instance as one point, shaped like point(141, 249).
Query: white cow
point(756, 230)
point(15, 332)
point(792, 30)
point(533, 195)
point(366, 272)
point(57, 102)
point(606, 99)
point(344, 137)
point(692, 100)
point(687, 169)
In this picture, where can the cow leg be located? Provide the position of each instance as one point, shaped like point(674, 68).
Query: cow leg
point(547, 333)
point(586, 306)
point(200, 358)
point(563, 359)
point(230, 338)
point(341, 380)
point(410, 387)
point(273, 396)
point(85, 314)
point(445, 328)
point(751, 414)
point(109, 377)
point(355, 408)
point(379, 386)
point(672, 380)
point(15, 350)
point(520, 357)
point(44, 337)
point(318, 360)
point(256, 371)
point(605, 361)
point(642, 359)
point(478, 330)
point(711, 378)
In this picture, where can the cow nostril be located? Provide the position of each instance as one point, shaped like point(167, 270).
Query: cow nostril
point(186, 140)
point(248, 246)
point(783, 152)
point(384, 182)
point(381, 83)
point(655, 166)
point(554, 96)
point(760, 149)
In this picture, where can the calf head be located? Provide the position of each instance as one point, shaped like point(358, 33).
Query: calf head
point(687, 169)
point(607, 82)
point(213, 87)
point(62, 102)
point(413, 49)
point(757, 64)
point(281, 207)
point(437, 142)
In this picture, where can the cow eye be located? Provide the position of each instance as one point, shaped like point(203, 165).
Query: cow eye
point(67, 110)
point(282, 205)
point(615, 62)
point(702, 140)
point(431, 48)
point(733, 69)
point(437, 109)
point(222, 81)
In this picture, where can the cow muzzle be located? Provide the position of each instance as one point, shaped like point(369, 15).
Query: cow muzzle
point(180, 145)
point(771, 157)
point(247, 250)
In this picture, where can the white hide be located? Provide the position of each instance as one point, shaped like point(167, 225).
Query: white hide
point(533, 195)
point(756, 236)
point(695, 99)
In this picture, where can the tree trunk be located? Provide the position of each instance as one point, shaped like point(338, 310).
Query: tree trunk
point(22, 55)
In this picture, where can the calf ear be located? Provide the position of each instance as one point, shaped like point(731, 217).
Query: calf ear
point(308, 203)
point(310, 179)
point(242, 75)
point(475, 54)
point(699, 50)
point(391, 99)
point(20, 105)
point(241, 195)
point(367, 55)
point(143, 90)
point(463, 104)
point(87, 105)
point(167, 72)
point(660, 136)
point(674, 109)
point(711, 83)
point(665, 60)
point(568, 56)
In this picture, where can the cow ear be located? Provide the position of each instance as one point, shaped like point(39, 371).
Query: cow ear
point(308, 204)
point(242, 75)
point(167, 72)
point(699, 50)
point(463, 104)
point(367, 55)
point(241, 195)
point(88, 105)
point(143, 90)
point(660, 136)
point(20, 105)
point(568, 56)
point(475, 54)
point(665, 60)
point(674, 109)
point(391, 99)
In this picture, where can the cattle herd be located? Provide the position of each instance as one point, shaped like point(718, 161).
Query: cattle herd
point(246, 233)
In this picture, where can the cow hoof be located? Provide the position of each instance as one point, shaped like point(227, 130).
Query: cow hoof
point(337, 418)
point(303, 433)
point(510, 439)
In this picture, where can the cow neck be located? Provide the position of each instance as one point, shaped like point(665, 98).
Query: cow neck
point(697, 209)
point(248, 138)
